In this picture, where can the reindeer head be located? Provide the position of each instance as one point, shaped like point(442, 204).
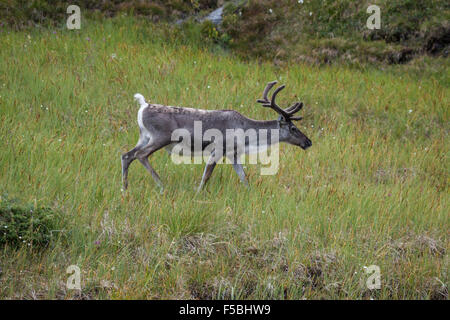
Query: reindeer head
point(288, 131)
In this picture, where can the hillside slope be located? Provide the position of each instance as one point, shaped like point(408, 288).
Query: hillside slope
point(283, 31)
point(325, 31)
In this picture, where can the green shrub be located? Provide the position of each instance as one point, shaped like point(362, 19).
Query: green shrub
point(209, 31)
point(25, 224)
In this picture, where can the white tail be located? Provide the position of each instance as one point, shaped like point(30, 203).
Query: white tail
point(140, 98)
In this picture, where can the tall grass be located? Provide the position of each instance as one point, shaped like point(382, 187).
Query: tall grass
point(373, 189)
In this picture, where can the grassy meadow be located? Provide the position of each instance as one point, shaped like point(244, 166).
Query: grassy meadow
point(372, 190)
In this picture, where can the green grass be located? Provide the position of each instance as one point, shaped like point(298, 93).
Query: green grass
point(373, 189)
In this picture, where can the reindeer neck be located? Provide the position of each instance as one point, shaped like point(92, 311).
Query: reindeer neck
point(268, 125)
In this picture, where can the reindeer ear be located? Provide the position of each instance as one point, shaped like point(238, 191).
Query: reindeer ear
point(296, 118)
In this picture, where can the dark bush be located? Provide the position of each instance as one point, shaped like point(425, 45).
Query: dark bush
point(26, 224)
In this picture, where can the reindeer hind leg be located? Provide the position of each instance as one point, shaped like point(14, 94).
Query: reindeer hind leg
point(127, 159)
point(130, 156)
point(144, 153)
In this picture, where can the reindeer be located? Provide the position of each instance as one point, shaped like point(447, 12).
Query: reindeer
point(158, 122)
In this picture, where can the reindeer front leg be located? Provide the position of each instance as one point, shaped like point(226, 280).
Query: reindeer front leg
point(239, 169)
point(210, 165)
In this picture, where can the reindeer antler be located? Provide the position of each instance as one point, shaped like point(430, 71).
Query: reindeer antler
point(285, 113)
